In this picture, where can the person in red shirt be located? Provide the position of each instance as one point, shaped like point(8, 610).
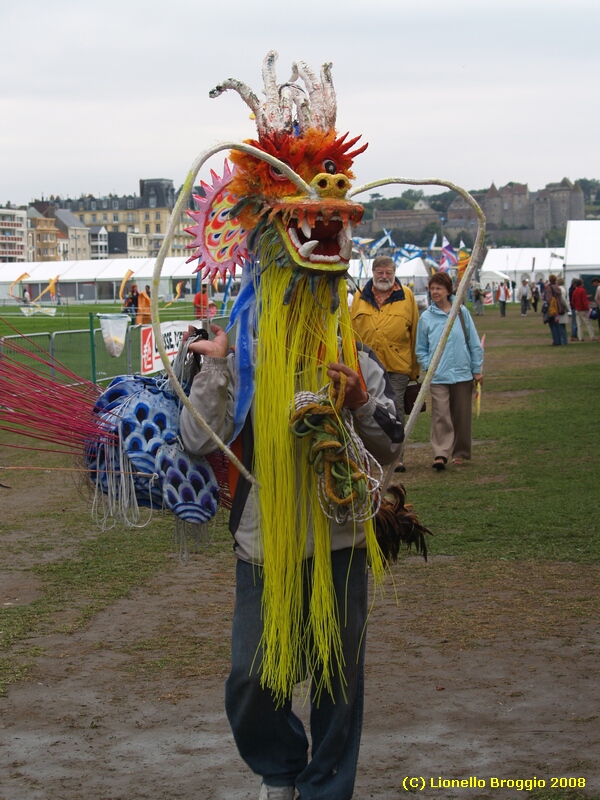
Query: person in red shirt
point(581, 307)
point(201, 304)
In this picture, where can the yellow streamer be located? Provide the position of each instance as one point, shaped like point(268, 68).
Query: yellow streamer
point(294, 344)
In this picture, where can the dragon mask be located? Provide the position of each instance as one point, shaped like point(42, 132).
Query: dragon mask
point(291, 200)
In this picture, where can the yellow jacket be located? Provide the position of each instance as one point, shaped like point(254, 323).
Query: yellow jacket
point(391, 331)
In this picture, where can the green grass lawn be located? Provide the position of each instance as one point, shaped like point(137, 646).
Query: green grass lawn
point(531, 490)
point(74, 317)
point(530, 493)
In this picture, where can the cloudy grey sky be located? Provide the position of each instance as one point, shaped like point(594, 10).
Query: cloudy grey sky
point(96, 95)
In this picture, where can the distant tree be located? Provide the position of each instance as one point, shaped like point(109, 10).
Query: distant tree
point(441, 202)
point(412, 195)
point(466, 237)
point(555, 237)
point(375, 196)
point(591, 190)
point(427, 232)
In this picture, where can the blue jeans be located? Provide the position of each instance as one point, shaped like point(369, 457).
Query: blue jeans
point(554, 330)
point(271, 739)
point(573, 325)
point(562, 333)
point(524, 306)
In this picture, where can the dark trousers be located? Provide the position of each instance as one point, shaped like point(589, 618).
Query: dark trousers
point(271, 739)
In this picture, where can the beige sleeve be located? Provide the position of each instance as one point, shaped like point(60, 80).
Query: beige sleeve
point(212, 396)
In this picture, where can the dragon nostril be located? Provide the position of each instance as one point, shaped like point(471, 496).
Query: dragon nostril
point(341, 184)
point(323, 183)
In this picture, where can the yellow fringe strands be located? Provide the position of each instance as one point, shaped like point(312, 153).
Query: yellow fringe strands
point(294, 343)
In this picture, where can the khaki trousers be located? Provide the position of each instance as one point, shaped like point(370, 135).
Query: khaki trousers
point(583, 319)
point(451, 416)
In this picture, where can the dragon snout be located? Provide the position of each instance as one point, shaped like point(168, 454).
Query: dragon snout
point(327, 185)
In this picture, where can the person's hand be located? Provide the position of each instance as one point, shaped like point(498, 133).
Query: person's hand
point(212, 348)
point(354, 396)
point(478, 376)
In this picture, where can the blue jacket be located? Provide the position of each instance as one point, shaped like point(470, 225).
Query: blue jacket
point(458, 362)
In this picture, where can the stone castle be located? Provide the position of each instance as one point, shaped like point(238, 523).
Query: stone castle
point(511, 210)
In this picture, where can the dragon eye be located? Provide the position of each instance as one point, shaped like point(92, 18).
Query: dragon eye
point(276, 173)
point(329, 166)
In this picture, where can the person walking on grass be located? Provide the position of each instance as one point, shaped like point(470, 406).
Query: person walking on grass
point(555, 309)
point(477, 300)
point(384, 316)
point(596, 285)
point(452, 385)
point(572, 288)
point(535, 297)
point(581, 307)
point(502, 298)
point(563, 318)
point(524, 295)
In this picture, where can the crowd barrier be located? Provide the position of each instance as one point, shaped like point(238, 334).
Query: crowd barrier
point(73, 350)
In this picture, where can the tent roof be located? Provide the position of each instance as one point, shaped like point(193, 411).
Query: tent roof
point(511, 260)
point(103, 269)
point(492, 276)
point(411, 269)
point(583, 244)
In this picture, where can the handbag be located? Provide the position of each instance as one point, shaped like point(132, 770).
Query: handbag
point(594, 313)
point(410, 396)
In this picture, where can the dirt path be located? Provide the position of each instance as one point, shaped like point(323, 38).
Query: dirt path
point(465, 677)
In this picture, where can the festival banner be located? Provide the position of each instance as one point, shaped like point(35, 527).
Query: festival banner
point(171, 334)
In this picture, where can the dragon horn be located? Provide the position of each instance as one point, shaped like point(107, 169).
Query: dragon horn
point(273, 117)
point(329, 99)
point(315, 93)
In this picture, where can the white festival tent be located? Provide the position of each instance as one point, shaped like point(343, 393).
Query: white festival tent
point(582, 248)
point(512, 263)
point(101, 279)
point(95, 280)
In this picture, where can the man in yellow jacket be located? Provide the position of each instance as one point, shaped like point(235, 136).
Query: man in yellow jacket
point(385, 317)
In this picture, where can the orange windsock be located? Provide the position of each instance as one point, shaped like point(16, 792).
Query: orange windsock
point(128, 275)
point(14, 283)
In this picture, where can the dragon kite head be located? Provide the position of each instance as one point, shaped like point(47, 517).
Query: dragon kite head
point(287, 193)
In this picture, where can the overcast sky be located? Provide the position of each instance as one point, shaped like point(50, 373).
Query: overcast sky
point(96, 95)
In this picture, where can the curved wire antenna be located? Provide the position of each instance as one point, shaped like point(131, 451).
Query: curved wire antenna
point(458, 298)
point(180, 206)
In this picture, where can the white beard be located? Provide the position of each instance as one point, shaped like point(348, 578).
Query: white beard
point(383, 284)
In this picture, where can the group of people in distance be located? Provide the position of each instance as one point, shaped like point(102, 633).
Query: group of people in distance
point(558, 305)
point(137, 305)
point(385, 317)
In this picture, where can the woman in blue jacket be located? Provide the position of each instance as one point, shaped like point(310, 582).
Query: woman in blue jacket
point(452, 384)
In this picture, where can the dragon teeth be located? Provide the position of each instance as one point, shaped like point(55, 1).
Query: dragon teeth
point(306, 229)
point(346, 250)
point(307, 248)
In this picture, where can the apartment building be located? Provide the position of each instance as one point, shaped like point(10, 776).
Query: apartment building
point(13, 234)
point(77, 235)
point(42, 237)
point(142, 217)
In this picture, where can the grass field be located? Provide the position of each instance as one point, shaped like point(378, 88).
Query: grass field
point(74, 317)
point(531, 492)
